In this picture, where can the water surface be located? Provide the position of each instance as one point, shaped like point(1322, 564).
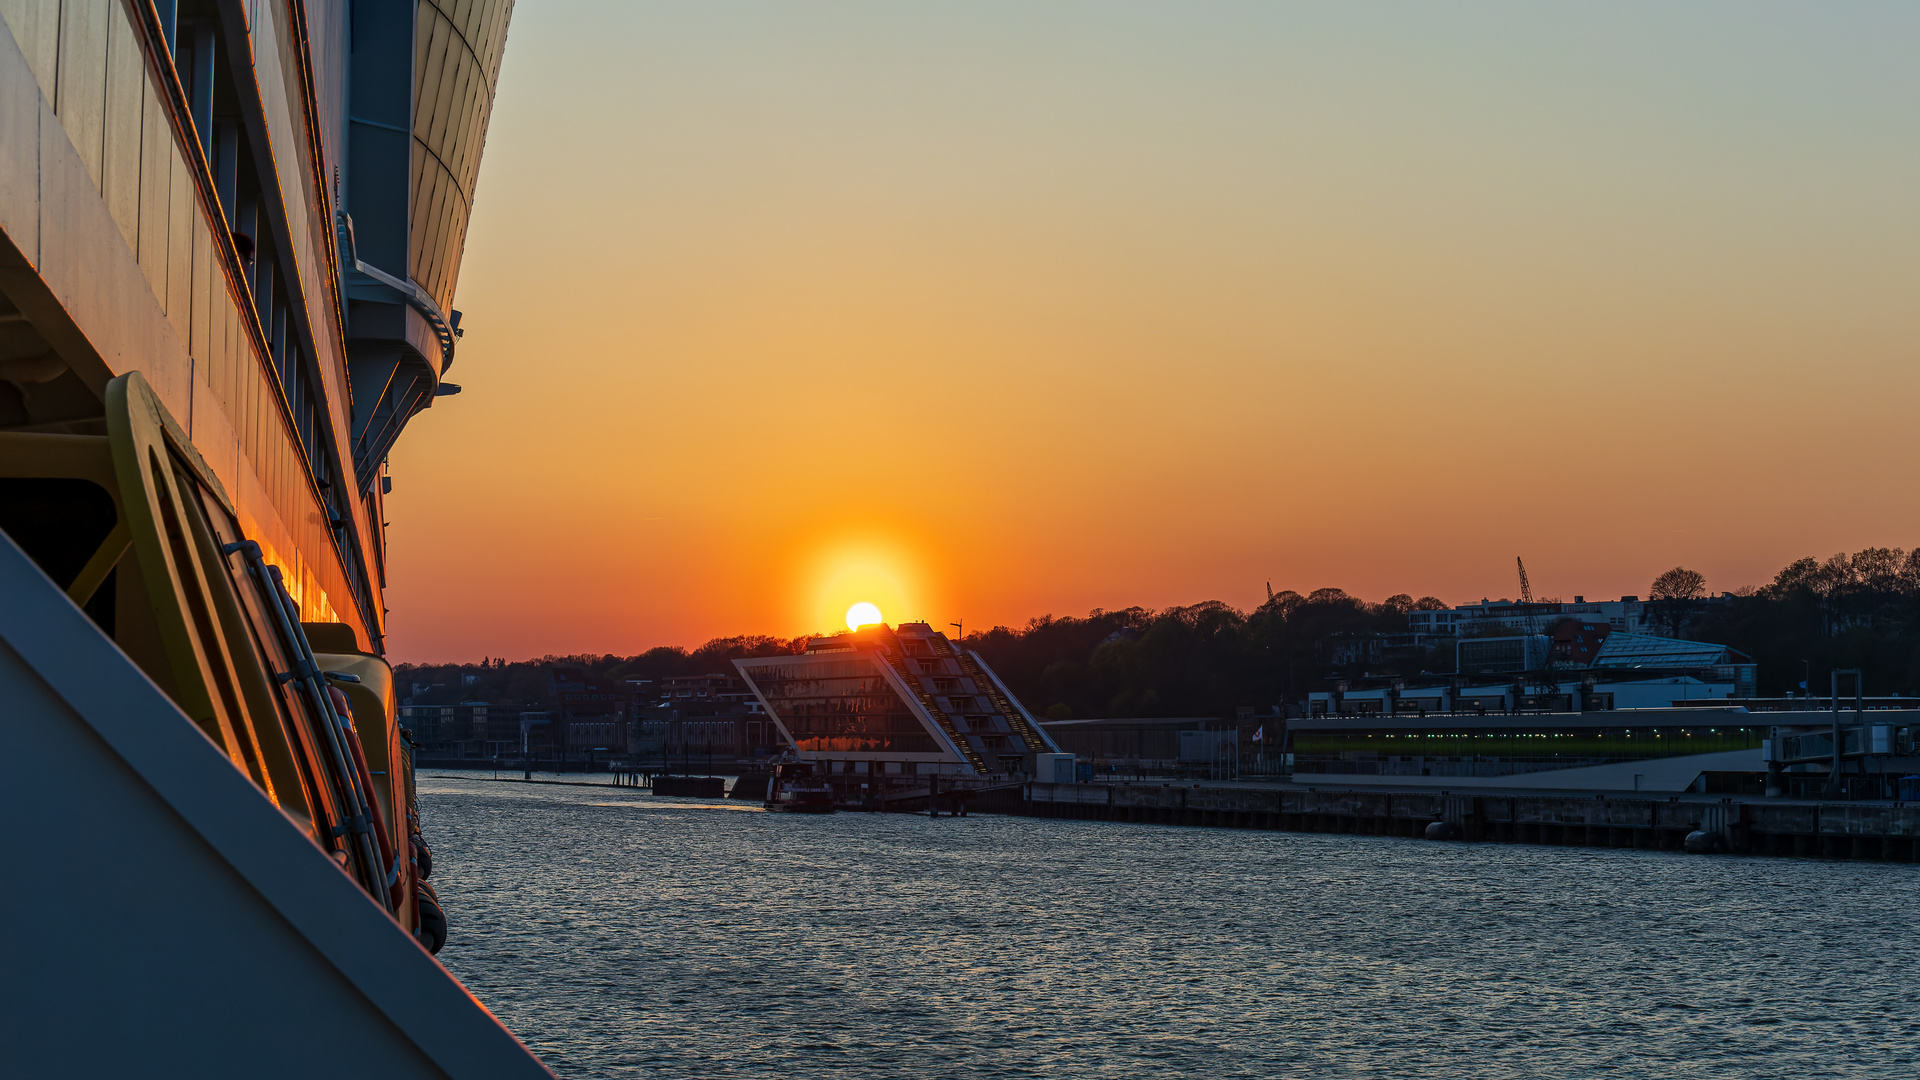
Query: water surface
point(620, 934)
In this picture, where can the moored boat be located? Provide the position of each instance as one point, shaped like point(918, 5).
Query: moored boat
point(795, 789)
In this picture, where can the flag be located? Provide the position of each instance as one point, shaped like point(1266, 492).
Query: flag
point(1260, 733)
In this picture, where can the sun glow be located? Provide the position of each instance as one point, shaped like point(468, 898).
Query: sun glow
point(859, 577)
point(862, 614)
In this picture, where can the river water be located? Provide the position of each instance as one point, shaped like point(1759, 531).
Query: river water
point(621, 934)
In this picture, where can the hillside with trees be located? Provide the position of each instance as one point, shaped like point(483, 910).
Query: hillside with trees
point(1207, 659)
point(524, 682)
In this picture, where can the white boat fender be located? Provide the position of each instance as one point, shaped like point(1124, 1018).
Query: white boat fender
point(1702, 842)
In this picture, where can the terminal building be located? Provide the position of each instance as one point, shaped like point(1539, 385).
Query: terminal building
point(1578, 706)
point(1729, 749)
point(1699, 749)
point(881, 702)
point(1628, 614)
point(1580, 667)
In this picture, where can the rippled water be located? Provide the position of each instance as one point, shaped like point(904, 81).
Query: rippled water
point(621, 934)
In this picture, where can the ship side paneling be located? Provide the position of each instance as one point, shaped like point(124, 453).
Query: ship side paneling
point(289, 129)
point(161, 303)
point(192, 890)
point(456, 69)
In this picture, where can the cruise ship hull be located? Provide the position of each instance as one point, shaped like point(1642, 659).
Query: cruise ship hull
point(230, 233)
point(166, 919)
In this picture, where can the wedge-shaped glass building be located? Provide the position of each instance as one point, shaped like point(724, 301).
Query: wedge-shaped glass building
point(903, 702)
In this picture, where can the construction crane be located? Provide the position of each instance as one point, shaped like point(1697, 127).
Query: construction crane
point(1526, 590)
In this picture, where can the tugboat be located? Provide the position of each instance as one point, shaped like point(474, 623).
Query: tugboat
point(796, 790)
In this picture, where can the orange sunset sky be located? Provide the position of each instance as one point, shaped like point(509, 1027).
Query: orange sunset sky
point(992, 310)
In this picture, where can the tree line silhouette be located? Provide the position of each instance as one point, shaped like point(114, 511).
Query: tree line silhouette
point(1859, 610)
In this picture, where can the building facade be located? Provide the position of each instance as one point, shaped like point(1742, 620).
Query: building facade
point(480, 730)
point(711, 717)
point(897, 703)
point(1710, 748)
point(1543, 672)
point(1698, 749)
point(591, 715)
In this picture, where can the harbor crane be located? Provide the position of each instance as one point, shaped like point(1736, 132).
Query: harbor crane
point(1526, 589)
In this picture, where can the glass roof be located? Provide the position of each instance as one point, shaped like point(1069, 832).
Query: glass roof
point(1646, 650)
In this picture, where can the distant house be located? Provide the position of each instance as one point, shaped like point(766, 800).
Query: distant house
point(589, 713)
point(716, 692)
point(476, 729)
point(1578, 641)
point(713, 715)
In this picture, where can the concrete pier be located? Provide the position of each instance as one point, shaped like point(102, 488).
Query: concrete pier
point(1862, 830)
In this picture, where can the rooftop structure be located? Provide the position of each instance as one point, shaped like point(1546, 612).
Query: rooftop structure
point(1629, 614)
point(1577, 647)
point(719, 691)
point(896, 702)
point(1643, 651)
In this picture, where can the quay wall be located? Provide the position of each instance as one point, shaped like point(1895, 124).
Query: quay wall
point(1882, 831)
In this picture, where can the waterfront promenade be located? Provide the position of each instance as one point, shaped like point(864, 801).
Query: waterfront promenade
point(1737, 824)
point(1742, 825)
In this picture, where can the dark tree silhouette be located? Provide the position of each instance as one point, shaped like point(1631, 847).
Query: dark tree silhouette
point(1679, 583)
point(1859, 610)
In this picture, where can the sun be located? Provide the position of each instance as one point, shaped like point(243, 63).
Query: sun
point(862, 614)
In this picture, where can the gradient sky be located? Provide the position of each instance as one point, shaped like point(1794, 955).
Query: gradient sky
point(983, 311)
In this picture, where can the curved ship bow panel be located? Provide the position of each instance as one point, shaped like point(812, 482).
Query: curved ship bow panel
point(415, 144)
